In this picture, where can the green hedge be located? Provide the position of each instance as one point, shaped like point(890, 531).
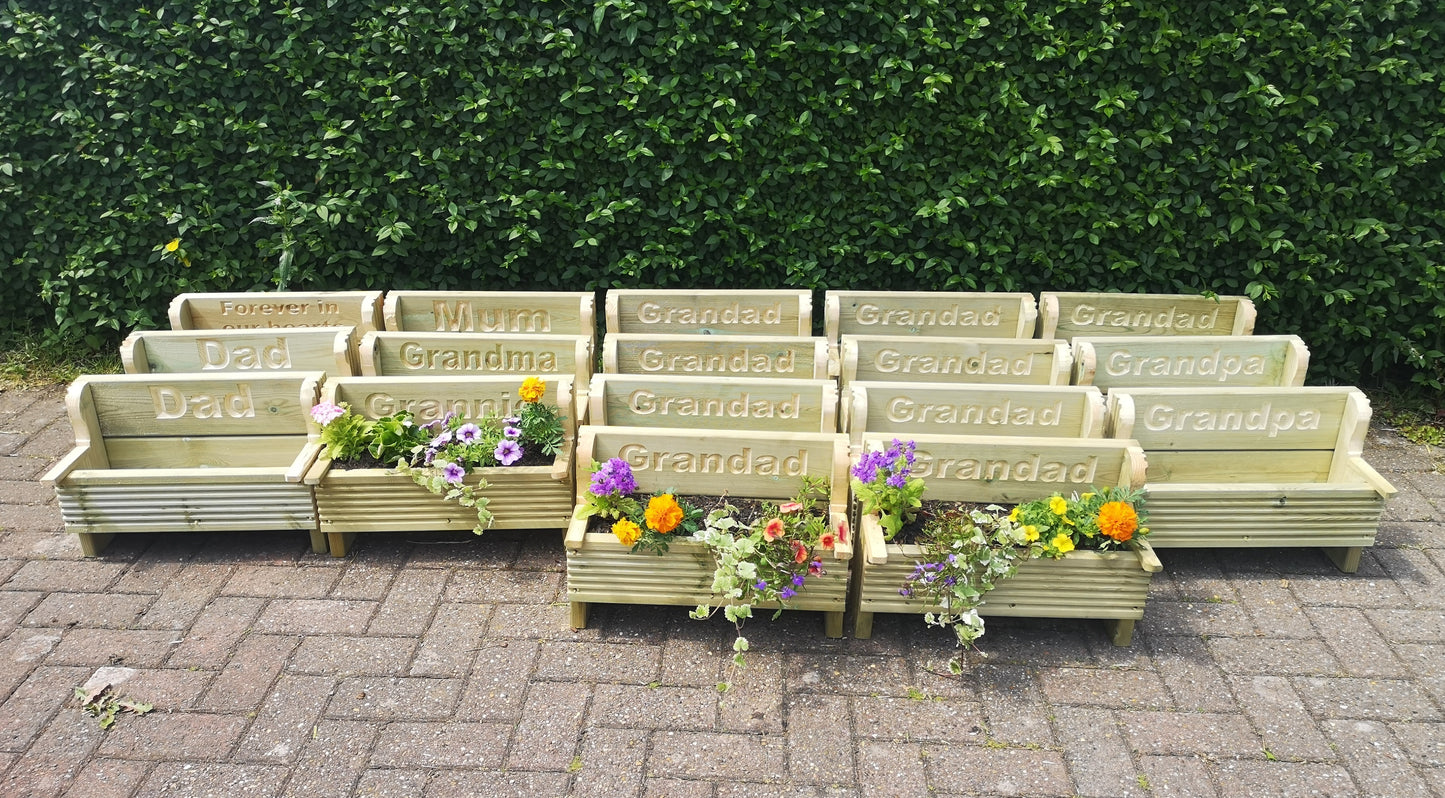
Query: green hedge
point(1289, 151)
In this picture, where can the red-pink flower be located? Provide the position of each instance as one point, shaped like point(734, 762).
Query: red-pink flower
point(773, 530)
point(843, 532)
point(800, 552)
point(827, 540)
point(788, 508)
point(815, 568)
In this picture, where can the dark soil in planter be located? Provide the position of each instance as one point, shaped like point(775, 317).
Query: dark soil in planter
point(748, 510)
point(530, 458)
point(934, 508)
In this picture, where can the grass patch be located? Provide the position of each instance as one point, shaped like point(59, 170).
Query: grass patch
point(1417, 415)
point(27, 360)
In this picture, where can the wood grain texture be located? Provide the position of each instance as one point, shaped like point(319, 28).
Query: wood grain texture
point(406, 354)
point(906, 409)
point(278, 310)
point(1182, 360)
point(995, 361)
point(499, 312)
point(767, 357)
point(693, 402)
point(330, 349)
point(929, 313)
point(709, 312)
point(1064, 315)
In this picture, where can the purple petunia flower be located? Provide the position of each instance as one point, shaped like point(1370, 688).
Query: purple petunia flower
point(787, 593)
point(428, 456)
point(512, 421)
point(453, 473)
point(613, 477)
point(326, 412)
point(797, 580)
point(512, 432)
point(897, 481)
point(441, 440)
point(468, 433)
point(508, 452)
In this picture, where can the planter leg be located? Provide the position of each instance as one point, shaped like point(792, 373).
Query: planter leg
point(1345, 558)
point(863, 625)
point(833, 624)
point(93, 543)
point(318, 542)
point(1121, 631)
point(579, 615)
point(339, 542)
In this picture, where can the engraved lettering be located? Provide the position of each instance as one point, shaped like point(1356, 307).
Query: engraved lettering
point(891, 361)
point(496, 358)
point(215, 354)
point(743, 463)
point(428, 409)
point(1009, 413)
point(655, 313)
point(171, 403)
point(1263, 418)
point(954, 316)
point(1144, 321)
point(1215, 364)
point(1035, 468)
point(739, 361)
point(646, 403)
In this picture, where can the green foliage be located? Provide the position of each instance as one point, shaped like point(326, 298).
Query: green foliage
point(1290, 152)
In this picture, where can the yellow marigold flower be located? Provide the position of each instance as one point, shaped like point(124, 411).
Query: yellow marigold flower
point(627, 532)
point(1118, 520)
point(532, 389)
point(663, 514)
point(173, 245)
point(1031, 533)
point(1062, 543)
point(1058, 505)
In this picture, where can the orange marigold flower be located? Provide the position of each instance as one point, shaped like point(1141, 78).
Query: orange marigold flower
point(663, 514)
point(627, 532)
point(532, 389)
point(1118, 520)
point(773, 530)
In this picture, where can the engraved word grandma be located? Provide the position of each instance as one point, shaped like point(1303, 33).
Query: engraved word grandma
point(494, 358)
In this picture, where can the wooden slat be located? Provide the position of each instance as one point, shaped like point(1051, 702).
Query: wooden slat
point(709, 312)
point(770, 357)
point(1211, 516)
point(497, 312)
point(1179, 360)
point(931, 313)
point(404, 354)
point(906, 409)
point(1231, 467)
point(1064, 315)
point(375, 500)
point(183, 351)
point(173, 405)
point(247, 451)
point(1235, 419)
point(277, 309)
point(173, 506)
point(999, 361)
point(712, 402)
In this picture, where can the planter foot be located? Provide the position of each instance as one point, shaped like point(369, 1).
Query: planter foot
point(318, 542)
point(1121, 631)
point(340, 542)
point(863, 625)
point(579, 615)
point(833, 624)
point(1345, 558)
point(93, 543)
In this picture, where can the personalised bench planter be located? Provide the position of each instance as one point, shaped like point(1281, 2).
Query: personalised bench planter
point(996, 361)
point(1170, 361)
point(940, 314)
point(1064, 315)
point(710, 462)
point(908, 409)
point(1251, 467)
point(492, 312)
point(1109, 586)
point(628, 400)
point(767, 357)
point(276, 310)
point(327, 349)
point(351, 501)
point(712, 312)
point(188, 453)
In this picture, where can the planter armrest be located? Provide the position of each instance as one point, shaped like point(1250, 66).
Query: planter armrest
point(562, 463)
point(318, 470)
point(1368, 474)
point(838, 516)
point(1147, 559)
point(83, 456)
point(868, 527)
point(300, 468)
point(576, 534)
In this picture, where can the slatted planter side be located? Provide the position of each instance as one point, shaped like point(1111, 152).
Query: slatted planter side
point(1064, 314)
point(492, 312)
point(685, 402)
point(278, 310)
point(784, 312)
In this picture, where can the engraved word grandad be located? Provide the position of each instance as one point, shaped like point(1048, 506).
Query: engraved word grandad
point(743, 360)
point(891, 361)
point(647, 403)
point(1008, 413)
point(735, 313)
point(869, 314)
point(1035, 468)
point(1144, 320)
point(743, 463)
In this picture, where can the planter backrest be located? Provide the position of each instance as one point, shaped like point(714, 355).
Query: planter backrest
point(713, 403)
point(277, 309)
point(995, 361)
point(931, 313)
point(993, 469)
point(329, 349)
point(756, 465)
point(768, 357)
point(709, 312)
point(187, 420)
point(431, 399)
point(905, 409)
point(1064, 315)
point(1179, 360)
point(1273, 435)
point(497, 312)
point(406, 354)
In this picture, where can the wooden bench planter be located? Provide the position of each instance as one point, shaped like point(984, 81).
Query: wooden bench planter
point(272, 310)
point(995, 361)
point(330, 349)
point(1109, 586)
point(1173, 361)
point(1064, 315)
point(351, 501)
point(492, 312)
point(709, 312)
point(666, 400)
point(941, 314)
point(906, 409)
point(711, 462)
point(188, 453)
point(1252, 467)
point(768, 357)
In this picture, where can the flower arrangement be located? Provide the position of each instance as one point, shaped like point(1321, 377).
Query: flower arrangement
point(768, 559)
point(649, 527)
point(439, 456)
point(967, 550)
point(884, 484)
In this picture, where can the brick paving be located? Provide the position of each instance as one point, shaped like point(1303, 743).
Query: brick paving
point(443, 666)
